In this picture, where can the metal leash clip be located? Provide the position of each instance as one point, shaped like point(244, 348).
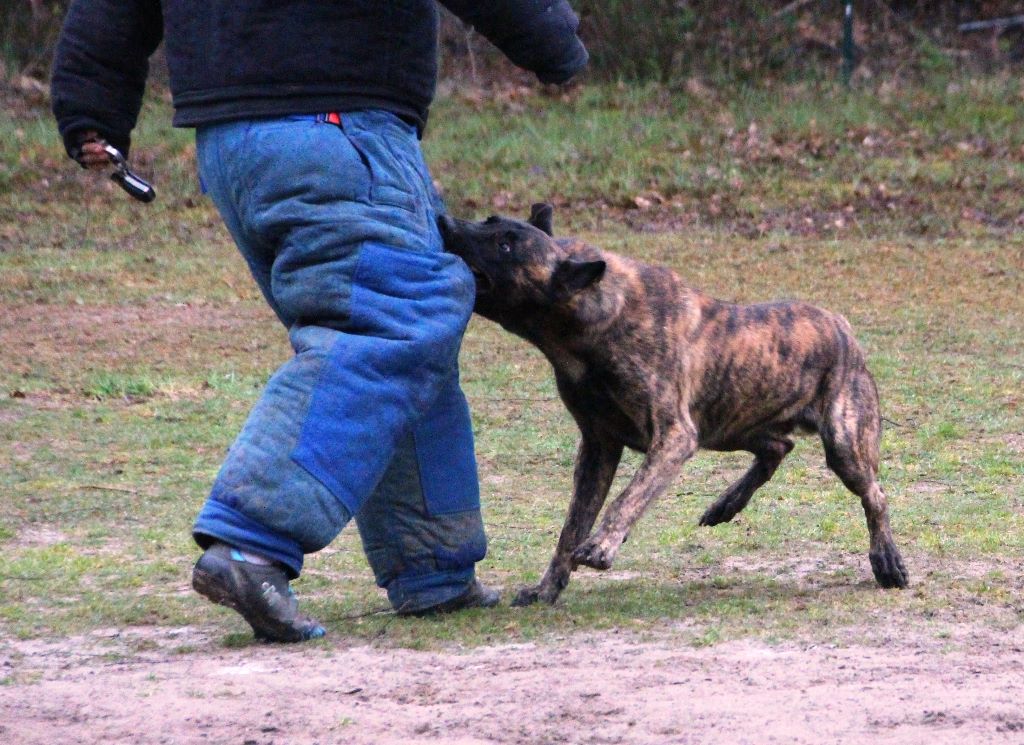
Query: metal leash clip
point(137, 187)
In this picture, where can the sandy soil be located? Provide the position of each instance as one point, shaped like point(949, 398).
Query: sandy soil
point(129, 686)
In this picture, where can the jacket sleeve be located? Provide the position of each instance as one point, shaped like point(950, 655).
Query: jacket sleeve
point(537, 35)
point(100, 67)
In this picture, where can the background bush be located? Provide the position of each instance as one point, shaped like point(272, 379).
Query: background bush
point(668, 40)
point(750, 40)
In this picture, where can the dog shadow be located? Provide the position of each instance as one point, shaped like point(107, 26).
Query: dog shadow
point(717, 593)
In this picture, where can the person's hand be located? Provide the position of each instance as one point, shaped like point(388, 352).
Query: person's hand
point(90, 151)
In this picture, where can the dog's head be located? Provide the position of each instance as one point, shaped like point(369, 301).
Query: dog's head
point(519, 267)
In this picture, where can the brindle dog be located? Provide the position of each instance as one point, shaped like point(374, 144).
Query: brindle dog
point(645, 362)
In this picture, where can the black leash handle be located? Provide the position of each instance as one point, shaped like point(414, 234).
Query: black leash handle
point(137, 188)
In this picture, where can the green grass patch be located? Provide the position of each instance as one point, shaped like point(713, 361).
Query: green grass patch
point(106, 385)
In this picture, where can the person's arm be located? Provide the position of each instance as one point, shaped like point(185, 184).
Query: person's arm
point(537, 35)
point(100, 68)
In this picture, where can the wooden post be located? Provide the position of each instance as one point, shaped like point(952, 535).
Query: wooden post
point(847, 42)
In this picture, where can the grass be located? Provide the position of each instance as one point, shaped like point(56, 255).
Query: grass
point(135, 345)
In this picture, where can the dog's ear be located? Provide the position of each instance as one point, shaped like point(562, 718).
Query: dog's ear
point(540, 217)
point(571, 276)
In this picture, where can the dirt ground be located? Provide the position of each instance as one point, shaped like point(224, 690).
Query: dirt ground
point(177, 686)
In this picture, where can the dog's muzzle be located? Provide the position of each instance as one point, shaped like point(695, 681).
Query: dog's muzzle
point(448, 227)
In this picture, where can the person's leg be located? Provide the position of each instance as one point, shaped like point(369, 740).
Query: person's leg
point(258, 470)
point(422, 526)
point(376, 313)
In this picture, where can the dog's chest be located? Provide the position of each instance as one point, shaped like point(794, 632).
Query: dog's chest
point(603, 400)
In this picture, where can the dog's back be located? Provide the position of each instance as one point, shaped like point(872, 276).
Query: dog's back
point(766, 368)
point(739, 371)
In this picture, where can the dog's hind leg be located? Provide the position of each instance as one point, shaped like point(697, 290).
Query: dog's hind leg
point(596, 462)
point(851, 433)
point(665, 457)
point(768, 454)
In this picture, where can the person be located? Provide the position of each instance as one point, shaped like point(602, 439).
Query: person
point(308, 115)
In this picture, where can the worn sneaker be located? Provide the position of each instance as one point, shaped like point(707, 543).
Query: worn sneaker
point(258, 592)
point(477, 595)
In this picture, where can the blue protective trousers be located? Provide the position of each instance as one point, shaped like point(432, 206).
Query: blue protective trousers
point(337, 221)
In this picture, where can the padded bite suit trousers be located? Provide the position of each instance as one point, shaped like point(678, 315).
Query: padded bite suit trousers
point(336, 218)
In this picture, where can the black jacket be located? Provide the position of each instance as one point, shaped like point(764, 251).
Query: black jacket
point(239, 59)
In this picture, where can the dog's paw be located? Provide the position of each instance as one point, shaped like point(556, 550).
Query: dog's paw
point(538, 594)
point(888, 568)
point(593, 554)
point(716, 514)
point(726, 507)
point(526, 596)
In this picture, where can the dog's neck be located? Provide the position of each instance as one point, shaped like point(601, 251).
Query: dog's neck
point(595, 308)
point(581, 320)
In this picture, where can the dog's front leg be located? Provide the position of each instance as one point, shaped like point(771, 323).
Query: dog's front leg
point(596, 461)
point(664, 459)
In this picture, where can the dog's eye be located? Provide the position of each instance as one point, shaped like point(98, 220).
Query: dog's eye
point(505, 247)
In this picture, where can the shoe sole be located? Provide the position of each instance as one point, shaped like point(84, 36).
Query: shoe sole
point(211, 587)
